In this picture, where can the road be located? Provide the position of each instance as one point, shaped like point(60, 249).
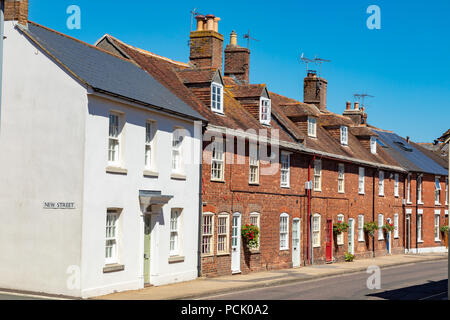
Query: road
point(419, 281)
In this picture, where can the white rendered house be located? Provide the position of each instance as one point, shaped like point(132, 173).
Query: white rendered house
point(100, 190)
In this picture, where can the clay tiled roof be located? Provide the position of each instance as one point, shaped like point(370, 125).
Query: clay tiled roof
point(362, 131)
point(197, 75)
point(248, 91)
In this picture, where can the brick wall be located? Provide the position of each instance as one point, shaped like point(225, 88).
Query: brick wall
point(206, 49)
point(16, 10)
point(237, 63)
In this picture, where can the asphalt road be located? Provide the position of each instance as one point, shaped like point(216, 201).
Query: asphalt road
point(419, 281)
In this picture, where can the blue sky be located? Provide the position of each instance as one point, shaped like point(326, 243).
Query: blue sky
point(405, 64)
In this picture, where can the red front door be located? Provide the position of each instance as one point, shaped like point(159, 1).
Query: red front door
point(329, 244)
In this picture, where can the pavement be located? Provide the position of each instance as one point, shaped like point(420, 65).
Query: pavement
point(204, 287)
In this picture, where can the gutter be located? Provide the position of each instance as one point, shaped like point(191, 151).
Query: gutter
point(2, 31)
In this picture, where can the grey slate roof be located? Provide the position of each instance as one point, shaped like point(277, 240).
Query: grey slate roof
point(107, 73)
point(408, 156)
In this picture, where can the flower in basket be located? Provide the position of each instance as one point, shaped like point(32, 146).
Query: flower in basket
point(370, 228)
point(444, 229)
point(340, 227)
point(388, 227)
point(250, 235)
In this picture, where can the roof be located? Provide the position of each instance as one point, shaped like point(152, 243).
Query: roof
point(107, 73)
point(408, 155)
point(362, 131)
point(438, 155)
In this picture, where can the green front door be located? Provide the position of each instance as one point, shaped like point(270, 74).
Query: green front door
point(147, 222)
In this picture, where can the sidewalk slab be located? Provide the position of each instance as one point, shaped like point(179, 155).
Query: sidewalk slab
point(203, 287)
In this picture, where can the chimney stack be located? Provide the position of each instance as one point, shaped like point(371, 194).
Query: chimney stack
point(237, 60)
point(206, 43)
point(356, 105)
point(16, 10)
point(357, 115)
point(348, 106)
point(315, 91)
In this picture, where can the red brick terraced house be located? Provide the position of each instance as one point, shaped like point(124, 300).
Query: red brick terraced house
point(324, 169)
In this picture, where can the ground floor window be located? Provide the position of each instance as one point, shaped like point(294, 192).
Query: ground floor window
point(436, 228)
point(380, 225)
point(419, 227)
point(207, 233)
point(255, 220)
point(112, 236)
point(284, 231)
point(222, 233)
point(175, 217)
point(396, 225)
point(316, 230)
point(361, 227)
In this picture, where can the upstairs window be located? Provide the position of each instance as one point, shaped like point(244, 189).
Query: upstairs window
point(341, 171)
point(381, 183)
point(396, 185)
point(149, 149)
point(312, 127)
point(437, 190)
point(177, 140)
point(217, 97)
point(317, 175)
point(419, 189)
point(373, 145)
point(264, 110)
point(217, 162)
point(114, 139)
point(361, 181)
point(253, 165)
point(344, 135)
point(285, 169)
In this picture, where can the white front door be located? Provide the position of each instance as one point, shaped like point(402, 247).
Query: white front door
point(351, 233)
point(236, 243)
point(388, 240)
point(296, 243)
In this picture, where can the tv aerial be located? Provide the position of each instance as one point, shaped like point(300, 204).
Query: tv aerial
point(316, 60)
point(248, 37)
point(361, 97)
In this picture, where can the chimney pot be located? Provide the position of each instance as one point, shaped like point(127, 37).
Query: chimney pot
point(216, 24)
point(200, 22)
point(349, 105)
point(407, 139)
point(356, 105)
point(210, 22)
point(233, 38)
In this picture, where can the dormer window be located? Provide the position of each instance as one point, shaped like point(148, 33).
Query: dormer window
point(264, 110)
point(312, 127)
point(216, 97)
point(373, 145)
point(344, 135)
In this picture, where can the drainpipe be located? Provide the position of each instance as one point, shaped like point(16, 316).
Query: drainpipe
point(309, 239)
point(200, 207)
point(2, 31)
point(373, 209)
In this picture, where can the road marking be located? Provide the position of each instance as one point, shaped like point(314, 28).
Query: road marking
point(8, 293)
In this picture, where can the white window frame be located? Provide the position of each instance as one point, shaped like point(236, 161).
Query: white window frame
point(437, 190)
point(217, 161)
point(208, 233)
point(285, 169)
point(344, 135)
point(446, 190)
point(312, 127)
point(284, 231)
point(114, 136)
point(253, 163)
point(341, 178)
point(177, 150)
point(437, 231)
point(256, 216)
point(174, 225)
point(223, 234)
point(361, 176)
point(150, 134)
point(419, 189)
point(317, 182)
point(217, 98)
point(361, 228)
point(265, 106)
point(396, 185)
point(112, 236)
point(373, 145)
point(408, 188)
point(340, 236)
point(381, 183)
point(380, 224)
point(396, 226)
point(316, 230)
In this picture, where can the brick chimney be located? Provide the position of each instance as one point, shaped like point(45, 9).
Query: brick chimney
point(237, 60)
point(357, 115)
point(206, 43)
point(16, 10)
point(315, 91)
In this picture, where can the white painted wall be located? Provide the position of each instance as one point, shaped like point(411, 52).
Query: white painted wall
point(104, 190)
point(41, 159)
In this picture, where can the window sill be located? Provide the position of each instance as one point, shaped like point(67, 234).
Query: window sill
point(437, 204)
point(361, 193)
point(359, 240)
point(437, 240)
point(217, 180)
point(115, 267)
point(116, 170)
point(254, 251)
point(408, 202)
point(341, 192)
point(151, 174)
point(285, 187)
point(253, 183)
point(419, 241)
point(176, 259)
point(284, 249)
point(223, 254)
point(340, 244)
point(316, 246)
point(381, 239)
point(317, 190)
point(381, 195)
point(207, 255)
point(177, 176)
point(419, 202)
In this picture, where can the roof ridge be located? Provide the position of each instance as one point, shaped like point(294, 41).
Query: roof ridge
point(146, 52)
point(79, 41)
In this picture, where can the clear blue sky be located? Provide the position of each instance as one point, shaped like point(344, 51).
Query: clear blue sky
point(405, 64)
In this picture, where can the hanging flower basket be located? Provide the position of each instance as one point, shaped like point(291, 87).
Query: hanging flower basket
point(340, 227)
point(250, 235)
point(444, 229)
point(370, 228)
point(388, 227)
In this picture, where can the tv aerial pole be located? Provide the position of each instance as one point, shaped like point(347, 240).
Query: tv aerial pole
point(248, 37)
point(361, 97)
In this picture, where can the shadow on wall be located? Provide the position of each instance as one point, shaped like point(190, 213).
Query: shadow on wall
point(432, 290)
